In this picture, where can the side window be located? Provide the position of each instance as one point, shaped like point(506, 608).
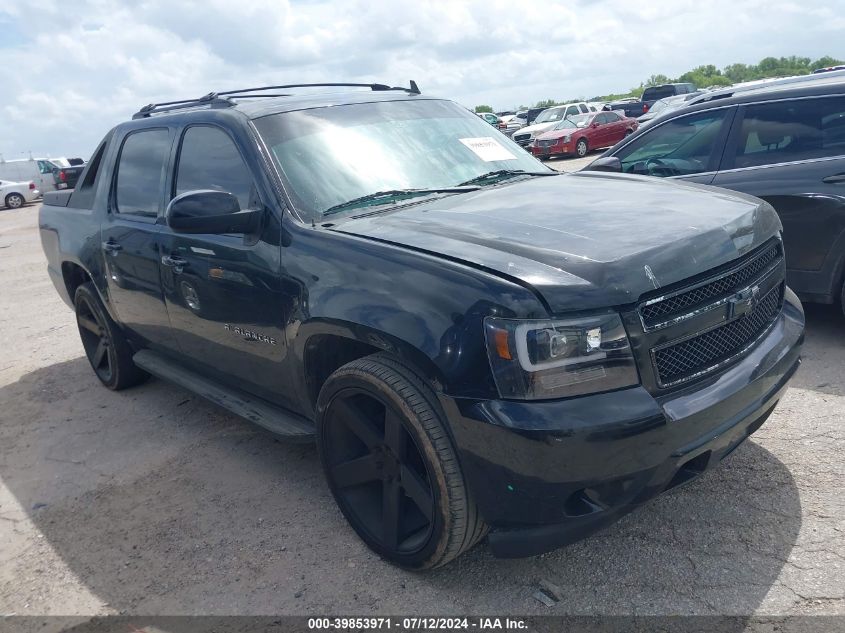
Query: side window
point(45, 167)
point(786, 131)
point(140, 171)
point(685, 145)
point(612, 117)
point(571, 111)
point(583, 108)
point(83, 194)
point(208, 159)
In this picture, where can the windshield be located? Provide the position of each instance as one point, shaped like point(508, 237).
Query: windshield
point(576, 120)
point(329, 156)
point(551, 114)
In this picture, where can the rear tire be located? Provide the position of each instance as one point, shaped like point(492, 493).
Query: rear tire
point(581, 148)
point(106, 347)
point(391, 465)
point(14, 201)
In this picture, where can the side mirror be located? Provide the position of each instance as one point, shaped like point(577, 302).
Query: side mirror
point(594, 124)
point(210, 211)
point(605, 163)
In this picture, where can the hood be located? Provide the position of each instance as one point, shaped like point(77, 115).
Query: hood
point(585, 240)
point(558, 133)
point(537, 128)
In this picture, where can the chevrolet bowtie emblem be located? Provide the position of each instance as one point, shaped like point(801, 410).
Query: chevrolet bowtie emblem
point(743, 302)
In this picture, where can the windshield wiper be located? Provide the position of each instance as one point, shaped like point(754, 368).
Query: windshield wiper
point(392, 195)
point(501, 174)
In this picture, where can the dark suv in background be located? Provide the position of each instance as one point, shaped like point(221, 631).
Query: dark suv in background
point(783, 143)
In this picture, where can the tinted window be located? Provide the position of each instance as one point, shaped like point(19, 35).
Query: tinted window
point(791, 130)
point(140, 171)
point(83, 194)
point(682, 146)
point(571, 110)
point(612, 117)
point(601, 119)
point(208, 159)
point(583, 107)
point(658, 92)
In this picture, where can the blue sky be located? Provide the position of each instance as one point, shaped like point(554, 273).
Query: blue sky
point(67, 76)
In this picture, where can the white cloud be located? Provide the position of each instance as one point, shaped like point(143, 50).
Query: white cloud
point(70, 74)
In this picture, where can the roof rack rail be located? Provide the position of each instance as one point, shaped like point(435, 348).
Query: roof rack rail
point(224, 99)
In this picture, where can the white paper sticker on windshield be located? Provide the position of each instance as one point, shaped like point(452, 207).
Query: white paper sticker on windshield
point(487, 149)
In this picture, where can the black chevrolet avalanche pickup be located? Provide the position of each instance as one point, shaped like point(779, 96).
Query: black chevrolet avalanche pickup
point(480, 346)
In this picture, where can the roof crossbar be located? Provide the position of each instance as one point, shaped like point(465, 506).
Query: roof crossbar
point(224, 99)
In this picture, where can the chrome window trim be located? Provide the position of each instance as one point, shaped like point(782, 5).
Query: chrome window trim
point(789, 163)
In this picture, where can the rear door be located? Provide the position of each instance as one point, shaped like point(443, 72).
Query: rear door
point(223, 291)
point(792, 154)
point(130, 237)
point(687, 147)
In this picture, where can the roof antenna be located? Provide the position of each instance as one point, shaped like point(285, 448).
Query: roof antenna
point(414, 89)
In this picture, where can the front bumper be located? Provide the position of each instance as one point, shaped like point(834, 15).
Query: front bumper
point(548, 473)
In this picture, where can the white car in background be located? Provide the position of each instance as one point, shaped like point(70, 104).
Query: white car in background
point(13, 195)
point(548, 118)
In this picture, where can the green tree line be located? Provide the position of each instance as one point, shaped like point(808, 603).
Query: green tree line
point(708, 75)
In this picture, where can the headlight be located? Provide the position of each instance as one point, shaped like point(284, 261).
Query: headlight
point(558, 358)
point(567, 138)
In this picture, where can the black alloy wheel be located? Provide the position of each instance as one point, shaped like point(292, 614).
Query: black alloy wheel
point(391, 466)
point(104, 343)
point(95, 339)
point(378, 471)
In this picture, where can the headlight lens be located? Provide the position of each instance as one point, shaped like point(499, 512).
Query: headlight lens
point(558, 358)
point(567, 138)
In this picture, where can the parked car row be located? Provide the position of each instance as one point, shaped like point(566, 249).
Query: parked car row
point(47, 174)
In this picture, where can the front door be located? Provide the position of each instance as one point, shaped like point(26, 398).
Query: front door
point(223, 291)
point(792, 154)
point(130, 237)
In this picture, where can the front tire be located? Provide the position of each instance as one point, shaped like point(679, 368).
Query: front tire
point(14, 201)
point(106, 347)
point(581, 148)
point(391, 465)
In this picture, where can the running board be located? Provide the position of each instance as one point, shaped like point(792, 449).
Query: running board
point(273, 418)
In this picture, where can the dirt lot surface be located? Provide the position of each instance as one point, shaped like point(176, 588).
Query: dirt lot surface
point(151, 501)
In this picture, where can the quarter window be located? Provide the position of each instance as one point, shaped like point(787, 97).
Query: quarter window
point(683, 146)
point(140, 172)
point(786, 131)
point(208, 159)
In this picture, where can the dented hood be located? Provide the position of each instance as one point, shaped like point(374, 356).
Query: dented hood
point(585, 240)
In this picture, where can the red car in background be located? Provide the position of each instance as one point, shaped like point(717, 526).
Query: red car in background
point(579, 134)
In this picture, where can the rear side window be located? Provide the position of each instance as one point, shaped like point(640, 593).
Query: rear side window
point(683, 146)
point(140, 173)
point(611, 117)
point(83, 194)
point(209, 159)
point(583, 107)
point(788, 131)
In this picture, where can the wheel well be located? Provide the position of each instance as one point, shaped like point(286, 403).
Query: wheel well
point(74, 276)
point(324, 353)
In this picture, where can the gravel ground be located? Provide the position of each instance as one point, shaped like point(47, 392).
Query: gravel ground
point(151, 501)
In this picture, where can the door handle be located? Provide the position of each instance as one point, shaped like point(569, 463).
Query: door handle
point(177, 263)
point(112, 248)
point(836, 178)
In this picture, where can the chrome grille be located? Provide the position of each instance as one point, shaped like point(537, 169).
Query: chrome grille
point(706, 352)
point(522, 139)
point(658, 312)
